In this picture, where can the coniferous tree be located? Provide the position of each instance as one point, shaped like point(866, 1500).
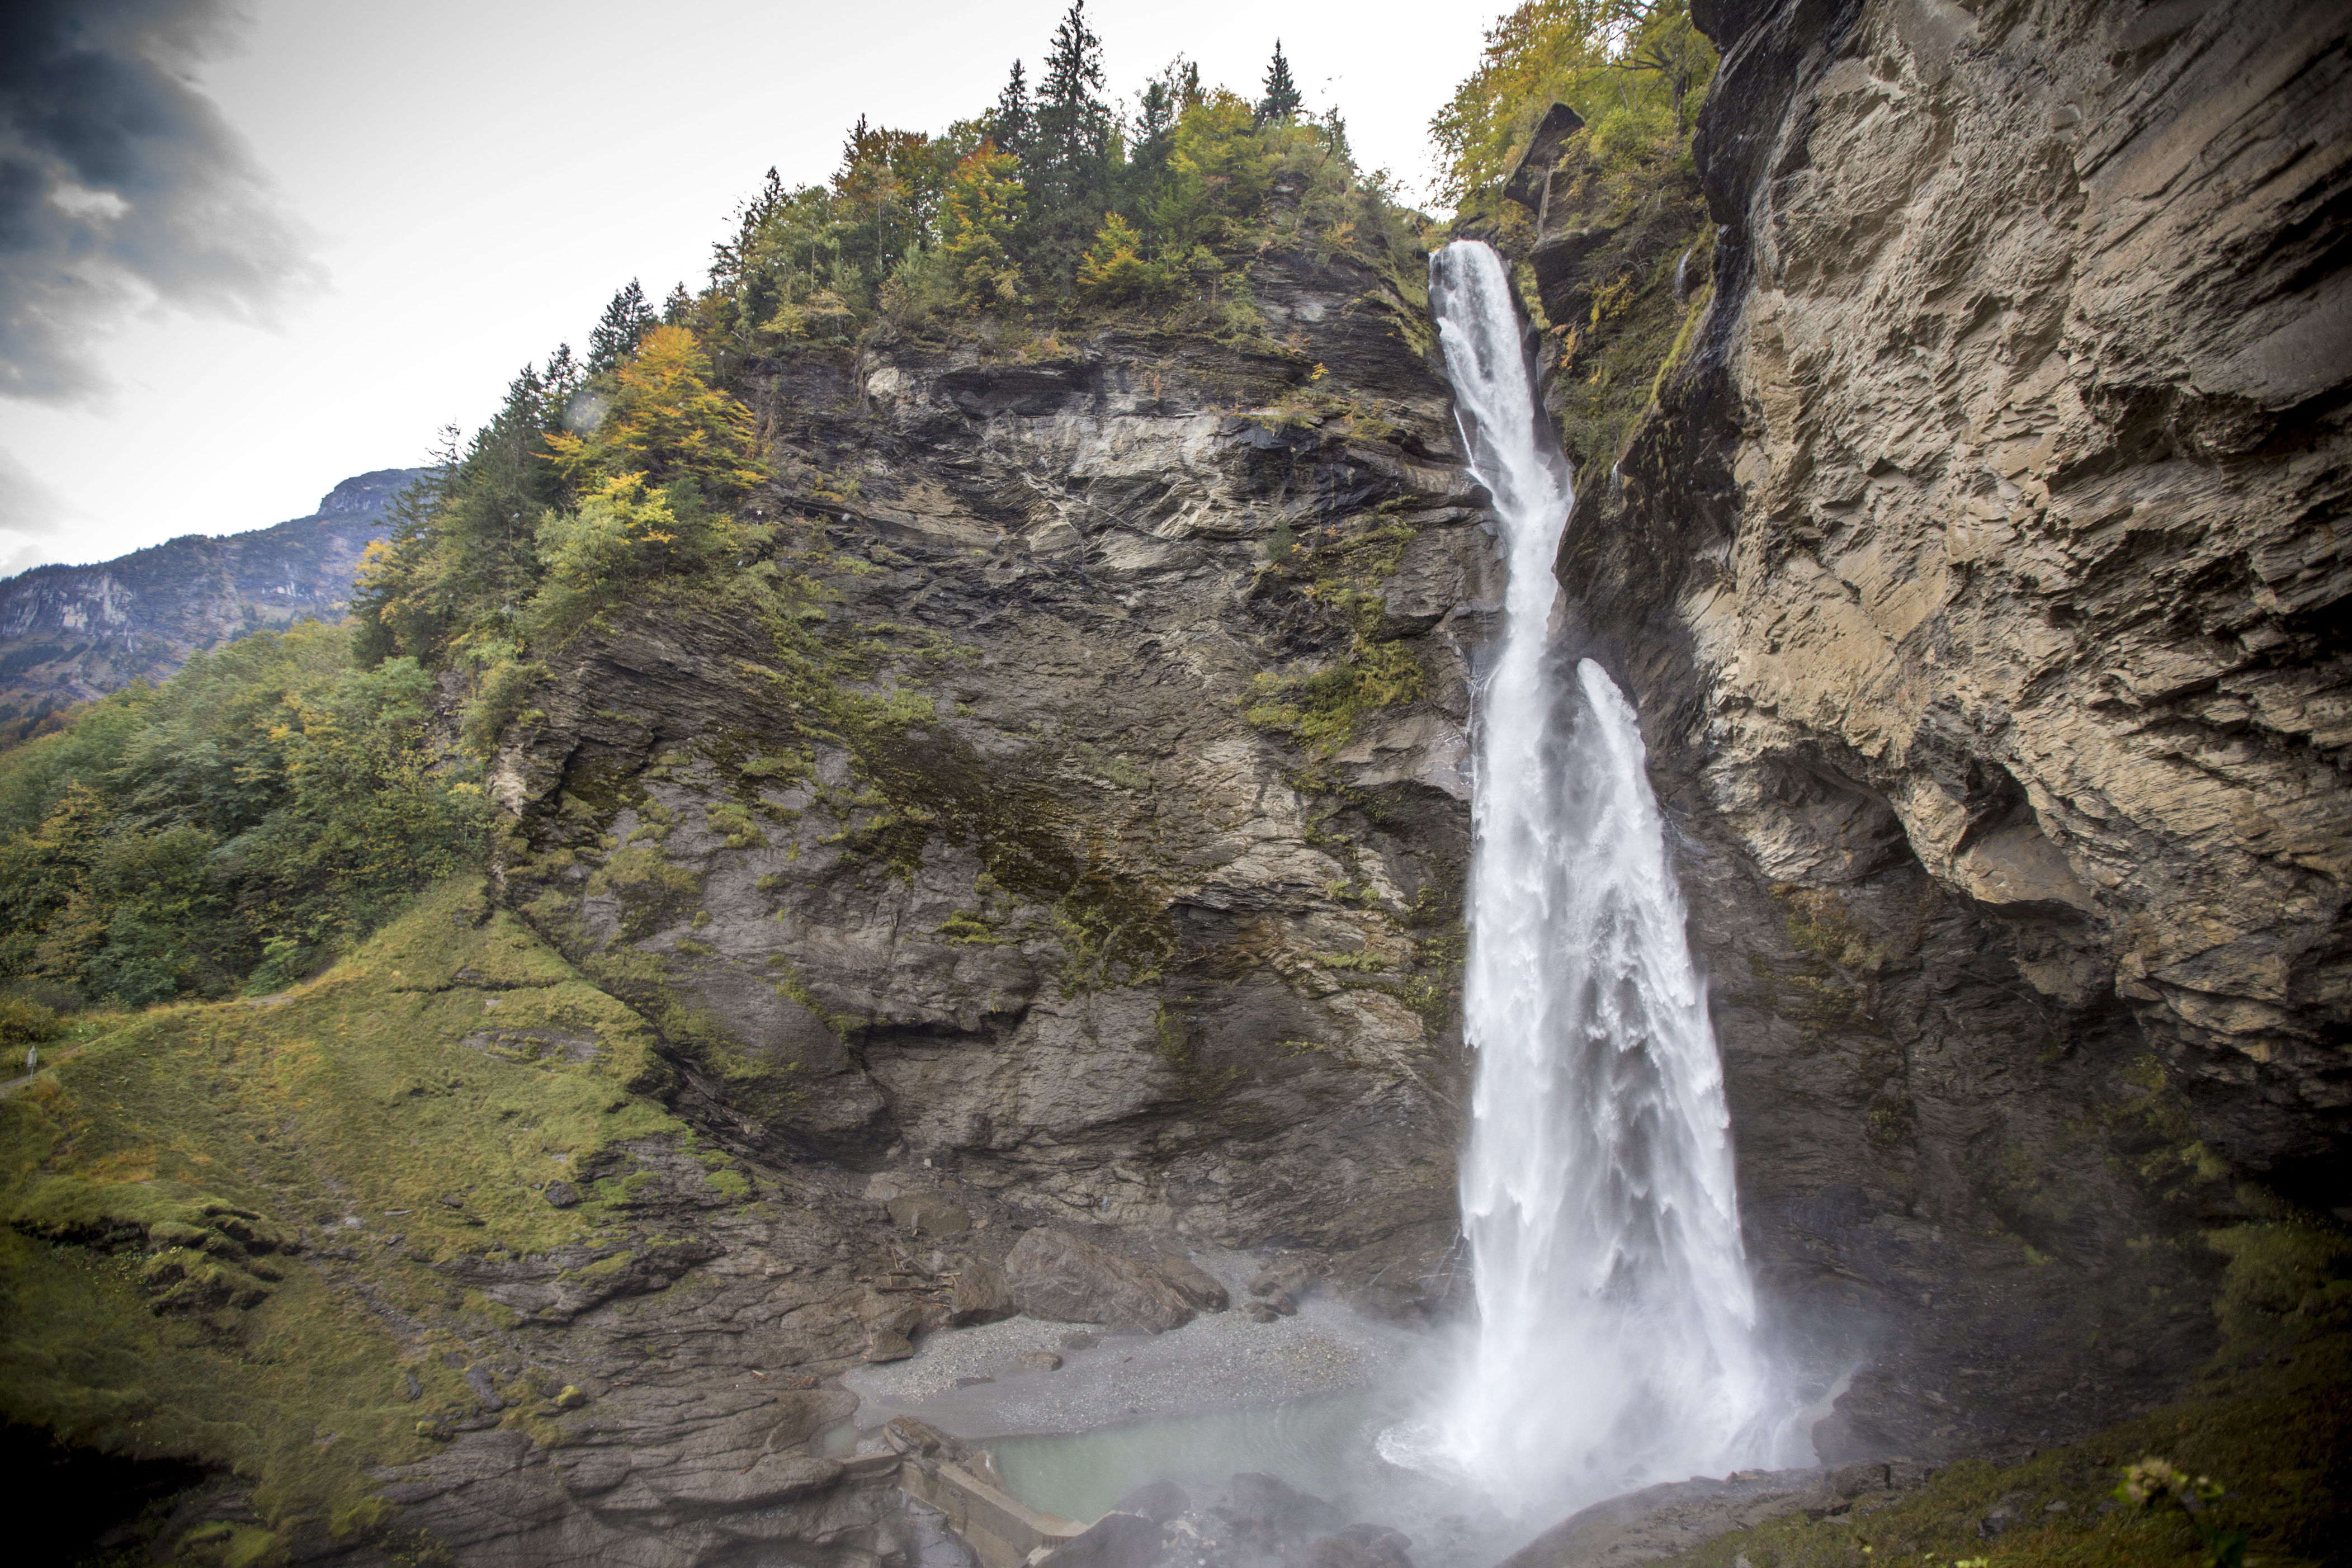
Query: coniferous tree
point(1160, 108)
point(677, 305)
point(561, 380)
point(1068, 169)
point(1282, 100)
point(1009, 123)
point(623, 326)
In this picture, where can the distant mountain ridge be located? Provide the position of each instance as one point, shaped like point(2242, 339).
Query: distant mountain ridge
point(69, 634)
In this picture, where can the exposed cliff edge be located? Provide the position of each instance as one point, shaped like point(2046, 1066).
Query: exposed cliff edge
point(1981, 573)
point(72, 632)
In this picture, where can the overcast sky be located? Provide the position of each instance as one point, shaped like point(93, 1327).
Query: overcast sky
point(249, 251)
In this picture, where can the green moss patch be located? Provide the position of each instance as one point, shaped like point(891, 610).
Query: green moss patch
point(196, 1204)
point(2269, 1434)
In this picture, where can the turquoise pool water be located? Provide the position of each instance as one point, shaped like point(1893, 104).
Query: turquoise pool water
point(1321, 1445)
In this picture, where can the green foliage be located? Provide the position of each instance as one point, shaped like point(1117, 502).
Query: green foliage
point(1635, 70)
point(23, 1022)
point(1282, 99)
point(666, 423)
point(657, 455)
point(537, 526)
point(1324, 709)
point(626, 321)
point(265, 806)
point(1068, 164)
point(1006, 210)
point(2257, 1465)
point(153, 1184)
point(982, 204)
point(1114, 271)
point(1216, 176)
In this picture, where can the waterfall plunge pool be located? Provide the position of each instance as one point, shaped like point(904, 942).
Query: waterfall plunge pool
point(1325, 1447)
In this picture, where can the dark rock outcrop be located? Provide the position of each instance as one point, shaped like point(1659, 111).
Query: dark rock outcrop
point(1663, 1521)
point(1087, 902)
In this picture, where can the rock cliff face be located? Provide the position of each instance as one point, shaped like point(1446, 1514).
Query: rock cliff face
point(1980, 576)
point(1125, 882)
point(69, 634)
point(1976, 571)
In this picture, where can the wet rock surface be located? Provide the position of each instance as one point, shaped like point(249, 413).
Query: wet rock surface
point(1663, 1521)
point(1977, 579)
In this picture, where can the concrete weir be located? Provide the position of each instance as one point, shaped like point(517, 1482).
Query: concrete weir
point(962, 1484)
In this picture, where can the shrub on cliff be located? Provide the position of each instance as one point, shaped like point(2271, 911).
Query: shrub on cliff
point(983, 204)
point(1635, 70)
point(664, 422)
point(1113, 270)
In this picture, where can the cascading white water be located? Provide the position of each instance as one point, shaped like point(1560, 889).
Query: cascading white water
point(1615, 1341)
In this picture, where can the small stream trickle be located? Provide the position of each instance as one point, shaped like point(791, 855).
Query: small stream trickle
point(1615, 1343)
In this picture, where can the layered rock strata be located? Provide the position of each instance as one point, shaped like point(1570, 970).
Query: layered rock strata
point(1124, 883)
point(1980, 575)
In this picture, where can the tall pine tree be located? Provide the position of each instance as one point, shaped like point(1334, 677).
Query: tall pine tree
point(1282, 99)
point(1161, 103)
point(1068, 169)
point(1009, 123)
point(623, 326)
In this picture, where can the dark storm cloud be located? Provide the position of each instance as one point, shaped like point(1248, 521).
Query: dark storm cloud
point(121, 185)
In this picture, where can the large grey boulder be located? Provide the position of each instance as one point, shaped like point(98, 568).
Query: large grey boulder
point(981, 1296)
point(1195, 1284)
point(1056, 1276)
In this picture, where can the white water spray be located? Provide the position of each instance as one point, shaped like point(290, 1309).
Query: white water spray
point(1616, 1320)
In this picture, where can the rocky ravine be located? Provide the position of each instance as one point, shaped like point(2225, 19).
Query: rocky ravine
point(1975, 578)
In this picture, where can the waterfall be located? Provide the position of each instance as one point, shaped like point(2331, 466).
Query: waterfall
point(1615, 1336)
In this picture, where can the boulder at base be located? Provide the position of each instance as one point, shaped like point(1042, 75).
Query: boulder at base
point(981, 1296)
point(1195, 1284)
point(1056, 1276)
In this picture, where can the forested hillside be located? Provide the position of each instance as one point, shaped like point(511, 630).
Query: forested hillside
point(69, 634)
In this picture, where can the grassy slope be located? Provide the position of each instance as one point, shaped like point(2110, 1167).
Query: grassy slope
point(2271, 1421)
point(176, 1274)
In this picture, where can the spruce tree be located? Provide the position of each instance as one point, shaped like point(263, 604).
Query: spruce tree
point(1068, 169)
point(1282, 100)
point(677, 306)
point(1161, 103)
point(620, 330)
point(1009, 122)
point(563, 378)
